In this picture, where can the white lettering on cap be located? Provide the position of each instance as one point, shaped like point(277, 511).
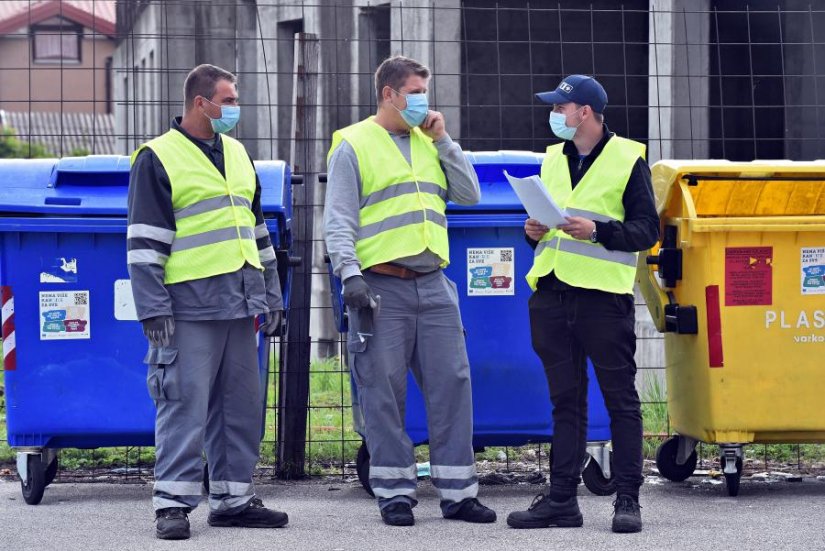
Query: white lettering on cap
point(566, 88)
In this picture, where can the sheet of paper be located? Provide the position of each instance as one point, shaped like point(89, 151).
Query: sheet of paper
point(537, 200)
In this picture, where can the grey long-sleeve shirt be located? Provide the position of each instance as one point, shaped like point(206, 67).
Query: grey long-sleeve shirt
point(243, 293)
point(343, 199)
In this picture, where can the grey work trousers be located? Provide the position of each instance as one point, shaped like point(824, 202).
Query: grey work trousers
point(206, 386)
point(418, 327)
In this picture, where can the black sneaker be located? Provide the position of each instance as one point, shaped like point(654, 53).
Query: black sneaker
point(254, 516)
point(544, 513)
point(398, 514)
point(172, 523)
point(627, 515)
point(472, 510)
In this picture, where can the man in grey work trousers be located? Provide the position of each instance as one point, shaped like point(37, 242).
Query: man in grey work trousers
point(386, 232)
point(202, 267)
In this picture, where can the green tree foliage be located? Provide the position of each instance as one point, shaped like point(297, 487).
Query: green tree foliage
point(12, 147)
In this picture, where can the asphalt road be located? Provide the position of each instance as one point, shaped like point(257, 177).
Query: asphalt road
point(335, 515)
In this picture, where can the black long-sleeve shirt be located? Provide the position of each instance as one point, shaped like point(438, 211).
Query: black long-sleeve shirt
point(640, 229)
point(243, 293)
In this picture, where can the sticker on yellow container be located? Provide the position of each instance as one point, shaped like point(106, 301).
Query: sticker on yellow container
point(813, 270)
point(748, 276)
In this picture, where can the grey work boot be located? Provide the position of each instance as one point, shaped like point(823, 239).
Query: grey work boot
point(544, 513)
point(172, 523)
point(627, 515)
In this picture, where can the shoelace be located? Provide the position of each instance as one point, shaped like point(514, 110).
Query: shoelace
point(624, 504)
point(537, 501)
point(174, 513)
point(256, 503)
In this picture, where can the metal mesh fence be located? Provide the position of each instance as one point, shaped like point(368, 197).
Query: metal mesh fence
point(710, 79)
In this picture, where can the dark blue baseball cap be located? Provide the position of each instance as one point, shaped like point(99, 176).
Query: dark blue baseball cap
point(579, 89)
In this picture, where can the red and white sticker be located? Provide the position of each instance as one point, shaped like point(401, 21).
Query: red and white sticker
point(9, 342)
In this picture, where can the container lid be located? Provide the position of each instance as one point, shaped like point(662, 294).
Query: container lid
point(97, 185)
point(496, 193)
point(720, 188)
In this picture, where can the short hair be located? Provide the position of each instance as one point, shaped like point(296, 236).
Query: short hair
point(393, 72)
point(202, 81)
point(599, 117)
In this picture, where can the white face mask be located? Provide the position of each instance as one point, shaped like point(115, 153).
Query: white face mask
point(558, 124)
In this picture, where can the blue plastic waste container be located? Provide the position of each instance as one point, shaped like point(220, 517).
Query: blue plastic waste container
point(73, 349)
point(489, 259)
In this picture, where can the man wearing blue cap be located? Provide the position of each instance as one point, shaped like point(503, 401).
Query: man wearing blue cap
point(583, 274)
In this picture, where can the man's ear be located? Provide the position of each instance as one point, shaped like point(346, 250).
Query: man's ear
point(386, 93)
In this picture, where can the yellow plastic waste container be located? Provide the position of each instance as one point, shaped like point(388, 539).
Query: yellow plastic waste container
point(737, 284)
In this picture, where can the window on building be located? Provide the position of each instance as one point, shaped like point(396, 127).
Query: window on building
point(373, 48)
point(56, 44)
point(510, 53)
point(286, 69)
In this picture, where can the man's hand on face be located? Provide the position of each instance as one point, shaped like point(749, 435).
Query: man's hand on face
point(434, 126)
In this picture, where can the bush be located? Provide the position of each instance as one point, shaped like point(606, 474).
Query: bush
point(11, 147)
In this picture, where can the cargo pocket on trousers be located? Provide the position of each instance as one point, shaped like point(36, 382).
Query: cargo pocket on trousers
point(162, 379)
point(355, 342)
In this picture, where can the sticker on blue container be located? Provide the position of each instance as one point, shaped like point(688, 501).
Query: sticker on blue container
point(813, 270)
point(59, 270)
point(124, 301)
point(490, 271)
point(64, 315)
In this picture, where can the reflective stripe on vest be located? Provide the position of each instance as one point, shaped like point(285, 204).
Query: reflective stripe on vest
point(598, 197)
point(402, 205)
point(215, 225)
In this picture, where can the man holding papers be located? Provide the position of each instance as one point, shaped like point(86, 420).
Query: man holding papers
point(583, 275)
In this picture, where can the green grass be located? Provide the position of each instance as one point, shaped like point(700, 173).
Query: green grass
point(332, 441)
point(654, 413)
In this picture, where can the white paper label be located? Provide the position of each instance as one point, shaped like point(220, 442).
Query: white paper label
point(490, 271)
point(124, 301)
point(64, 315)
point(813, 270)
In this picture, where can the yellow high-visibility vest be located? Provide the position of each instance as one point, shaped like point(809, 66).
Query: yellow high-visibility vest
point(215, 225)
point(598, 197)
point(403, 205)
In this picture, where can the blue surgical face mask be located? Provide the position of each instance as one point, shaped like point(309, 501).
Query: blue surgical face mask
point(417, 108)
point(229, 118)
point(558, 124)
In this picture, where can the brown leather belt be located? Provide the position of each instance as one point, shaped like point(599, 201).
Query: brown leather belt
point(396, 271)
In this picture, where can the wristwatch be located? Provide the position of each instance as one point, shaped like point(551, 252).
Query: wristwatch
point(593, 237)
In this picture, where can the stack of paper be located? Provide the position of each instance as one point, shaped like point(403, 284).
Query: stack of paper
point(537, 200)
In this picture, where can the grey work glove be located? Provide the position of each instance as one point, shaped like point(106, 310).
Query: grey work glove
point(272, 323)
point(357, 293)
point(159, 330)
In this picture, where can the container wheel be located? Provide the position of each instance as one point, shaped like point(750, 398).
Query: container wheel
point(35, 482)
point(732, 479)
point(594, 478)
point(362, 467)
point(51, 471)
point(666, 461)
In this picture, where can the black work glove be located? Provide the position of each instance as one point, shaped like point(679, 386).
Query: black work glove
point(272, 323)
point(159, 330)
point(357, 293)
